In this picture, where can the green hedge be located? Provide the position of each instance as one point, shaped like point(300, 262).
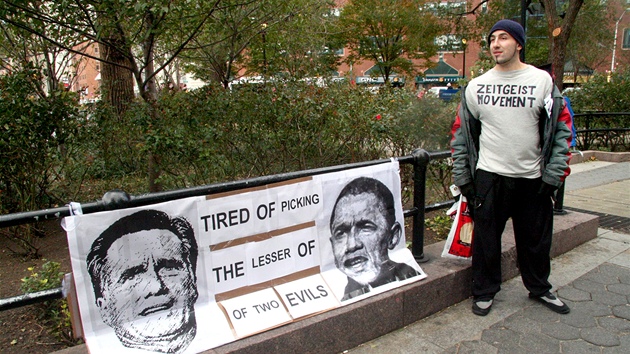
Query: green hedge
point(214, 135)
point(36, 131)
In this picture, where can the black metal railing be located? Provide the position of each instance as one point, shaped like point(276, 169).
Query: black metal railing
point(608, 130)
point(595, 130)
point(118, 199)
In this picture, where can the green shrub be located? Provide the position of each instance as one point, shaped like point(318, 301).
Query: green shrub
point(54, 314)
point(440, 224)
point(34, 131)
point(49, 277)
point(427, 123)
point(603, 94)
point(212, 135)
point(37, 132)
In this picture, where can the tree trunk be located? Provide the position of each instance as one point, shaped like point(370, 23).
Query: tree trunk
point(116, 80)
point(154, 169)
point(557, 59)
point(149, 94)
point(559, 27)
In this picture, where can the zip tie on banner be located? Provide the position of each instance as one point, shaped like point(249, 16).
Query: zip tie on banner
point(75, 208)
point(392, 160)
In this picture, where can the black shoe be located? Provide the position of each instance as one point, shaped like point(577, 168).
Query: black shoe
point(552, 302)
point(481, 307)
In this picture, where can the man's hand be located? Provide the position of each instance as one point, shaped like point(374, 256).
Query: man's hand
point(547, 189)
point(468, 191)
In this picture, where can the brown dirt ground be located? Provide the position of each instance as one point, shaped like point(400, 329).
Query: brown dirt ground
point(21, 330)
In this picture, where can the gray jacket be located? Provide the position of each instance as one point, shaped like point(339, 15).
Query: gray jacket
point(555, 135)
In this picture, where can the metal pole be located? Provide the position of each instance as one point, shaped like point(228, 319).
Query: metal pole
point(524, 5)
point(118, 199)
point(587, 124)
point(612, 62)
point(464, 64)
point(30, 298)
point(420, 162)
point(464, 41)
point(558, 205)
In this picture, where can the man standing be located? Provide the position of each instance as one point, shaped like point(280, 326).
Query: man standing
point(143, 272)
point(363, 229)
point(510, 151)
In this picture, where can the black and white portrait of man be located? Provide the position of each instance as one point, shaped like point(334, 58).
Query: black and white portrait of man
point(143, 273)
point(363, 230)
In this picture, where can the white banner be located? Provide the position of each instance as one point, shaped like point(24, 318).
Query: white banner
point(195, 273)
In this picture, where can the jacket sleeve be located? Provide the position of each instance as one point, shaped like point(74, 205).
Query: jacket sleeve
point(459, 152)
point(557, 169)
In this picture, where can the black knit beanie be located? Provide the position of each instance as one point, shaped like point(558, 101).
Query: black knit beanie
point(513, 28)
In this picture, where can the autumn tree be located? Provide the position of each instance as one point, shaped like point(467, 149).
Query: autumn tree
point(301, 44)
point(20, 49)
point(591, 46)
point(588, 46)
point(260, 37)
point(560, 21)
point(132, 34)
point(219, 52)
point(391, 33)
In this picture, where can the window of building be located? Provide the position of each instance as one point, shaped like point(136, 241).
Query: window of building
point(459, 6)
point(626, 38)
point(96, 48)
point(536, 10)
point(98, 67)
point(336, 51)
point(451, 7)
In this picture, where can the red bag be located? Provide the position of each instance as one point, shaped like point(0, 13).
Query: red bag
point(459, 241)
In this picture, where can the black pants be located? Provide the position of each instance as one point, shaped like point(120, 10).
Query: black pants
point(498, 199)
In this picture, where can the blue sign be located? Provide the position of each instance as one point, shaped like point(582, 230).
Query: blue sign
point(447, 94)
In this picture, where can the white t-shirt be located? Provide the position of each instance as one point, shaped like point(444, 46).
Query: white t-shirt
point(508, 105)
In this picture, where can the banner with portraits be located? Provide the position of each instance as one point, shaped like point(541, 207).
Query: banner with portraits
point(192, 274)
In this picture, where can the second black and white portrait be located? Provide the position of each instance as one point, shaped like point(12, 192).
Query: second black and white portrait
point(363, 230)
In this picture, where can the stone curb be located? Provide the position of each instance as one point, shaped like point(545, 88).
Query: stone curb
point(579, 157)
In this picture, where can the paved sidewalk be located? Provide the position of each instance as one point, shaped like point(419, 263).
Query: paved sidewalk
point(594, 280)
point(602, 188)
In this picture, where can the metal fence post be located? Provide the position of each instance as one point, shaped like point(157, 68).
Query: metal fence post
point(558, 205)
point(420, 161)
point(587, 124)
